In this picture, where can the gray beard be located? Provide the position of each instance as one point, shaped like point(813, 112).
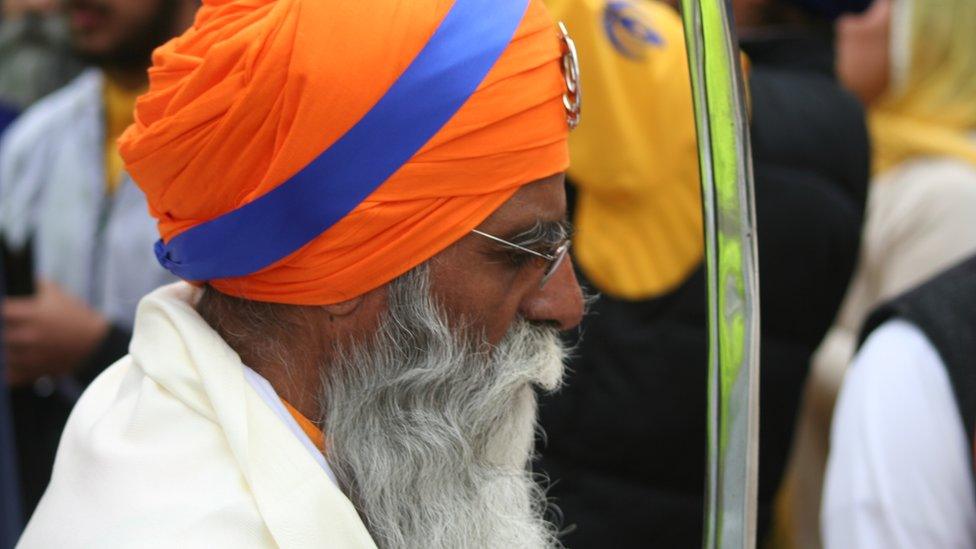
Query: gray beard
point(430, 430)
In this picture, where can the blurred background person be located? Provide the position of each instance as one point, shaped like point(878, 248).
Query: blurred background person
point(900, 473)
point(64, 195)
point(35, 59)
point(626, 436)
point(35, 53)
point(914, 63)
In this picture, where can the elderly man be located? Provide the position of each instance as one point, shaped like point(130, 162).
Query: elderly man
point(371, 203)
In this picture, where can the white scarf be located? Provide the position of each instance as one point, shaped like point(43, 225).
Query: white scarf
point(172, 447)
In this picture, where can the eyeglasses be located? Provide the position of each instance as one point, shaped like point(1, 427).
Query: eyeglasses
point(554, 258)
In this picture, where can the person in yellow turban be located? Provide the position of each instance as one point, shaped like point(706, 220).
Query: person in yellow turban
point(912, 62)
point(366, 204)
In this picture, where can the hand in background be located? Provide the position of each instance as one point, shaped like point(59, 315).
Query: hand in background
point(48, 334)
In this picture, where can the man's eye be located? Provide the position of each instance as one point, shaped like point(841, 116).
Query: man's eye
point(518, 258)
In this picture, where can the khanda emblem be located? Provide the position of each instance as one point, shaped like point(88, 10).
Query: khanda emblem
point(573, 98)
point(628, 29)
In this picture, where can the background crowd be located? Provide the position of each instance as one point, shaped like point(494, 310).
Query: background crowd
point(863, 124)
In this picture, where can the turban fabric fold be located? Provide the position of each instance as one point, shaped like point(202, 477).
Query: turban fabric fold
point(302, 151)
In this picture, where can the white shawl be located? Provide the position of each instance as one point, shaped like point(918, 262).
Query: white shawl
point(172, 447)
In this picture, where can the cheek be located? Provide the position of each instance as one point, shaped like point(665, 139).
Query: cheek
point(863, 58)
point(499, 320)
point(491, 306)
point(484, 300)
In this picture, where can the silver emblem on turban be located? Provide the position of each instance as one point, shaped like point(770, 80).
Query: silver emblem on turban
point(573, 98)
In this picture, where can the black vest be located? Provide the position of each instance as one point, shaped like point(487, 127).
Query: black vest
point(945, 310)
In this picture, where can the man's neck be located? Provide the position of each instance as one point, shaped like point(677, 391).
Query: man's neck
point(296, 384)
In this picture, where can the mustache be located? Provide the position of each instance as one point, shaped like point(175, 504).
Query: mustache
point(537, 347)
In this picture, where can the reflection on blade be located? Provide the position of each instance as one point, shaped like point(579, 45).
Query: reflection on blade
point(730, 255)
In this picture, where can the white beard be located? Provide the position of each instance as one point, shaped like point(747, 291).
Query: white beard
point(430, 432)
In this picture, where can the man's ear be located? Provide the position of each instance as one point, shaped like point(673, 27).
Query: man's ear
point(365, 307)
point(344, 308)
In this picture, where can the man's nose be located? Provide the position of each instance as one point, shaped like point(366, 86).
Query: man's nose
point(559, 302)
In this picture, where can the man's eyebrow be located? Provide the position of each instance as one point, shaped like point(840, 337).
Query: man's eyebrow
point(542, 233)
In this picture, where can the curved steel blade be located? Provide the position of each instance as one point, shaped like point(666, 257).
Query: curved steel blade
point(731, 262)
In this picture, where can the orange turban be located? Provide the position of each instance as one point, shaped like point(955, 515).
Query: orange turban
point(282, 143)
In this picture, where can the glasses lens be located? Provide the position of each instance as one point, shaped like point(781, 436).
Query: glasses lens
point(560, 255)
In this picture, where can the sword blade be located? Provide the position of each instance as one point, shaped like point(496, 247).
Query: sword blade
point(731, 262)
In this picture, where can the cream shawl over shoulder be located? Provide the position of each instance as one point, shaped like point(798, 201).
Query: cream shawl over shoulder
point(171, 447)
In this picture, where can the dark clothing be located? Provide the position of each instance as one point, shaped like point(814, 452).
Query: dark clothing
point(11, 519)
point(831, 9)
point(626, 437)
point(41, 412)
point(10, 513)
point(945, 310)
point(39, 417)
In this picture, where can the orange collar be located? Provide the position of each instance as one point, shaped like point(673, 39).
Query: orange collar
point(311, 430)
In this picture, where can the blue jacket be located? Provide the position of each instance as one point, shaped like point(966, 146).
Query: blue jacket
point(10, 523)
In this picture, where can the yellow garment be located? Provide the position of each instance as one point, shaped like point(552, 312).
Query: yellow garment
point(634, 157)
point(119, 106)
point(930, 109)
